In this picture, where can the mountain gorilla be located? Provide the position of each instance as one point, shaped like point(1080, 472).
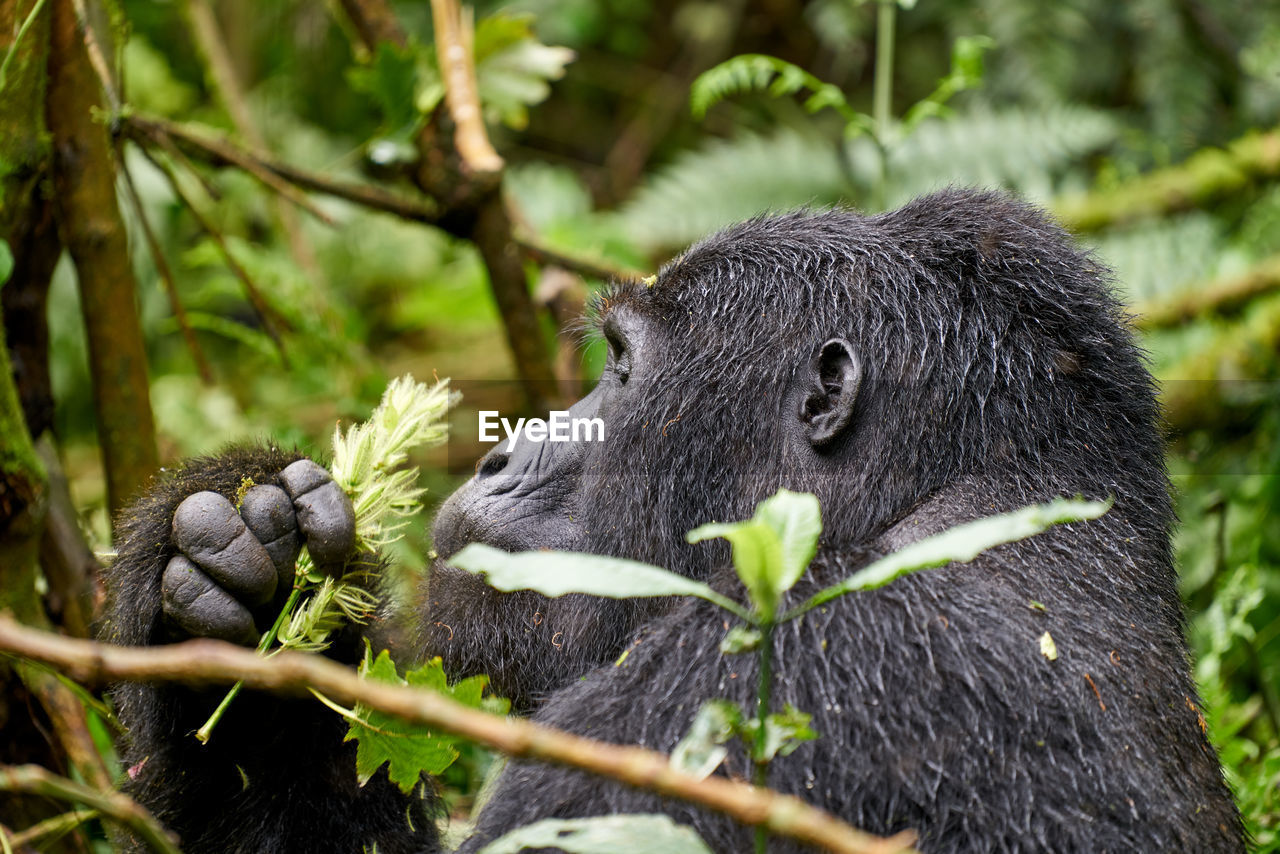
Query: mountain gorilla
point(918, 369)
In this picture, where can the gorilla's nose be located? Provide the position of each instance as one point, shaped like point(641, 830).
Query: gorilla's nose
point(492, 463)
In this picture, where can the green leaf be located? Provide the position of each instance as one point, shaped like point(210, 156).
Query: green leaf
point(702, 749)
point(757, 72)
point(771, 549)
point(513, 68)
point(610, 834)
point(741, 639)
point(391, 80)
point(783, 732)
point(410, 750)
point(553, 573)
point(966, 73)
point(6, 262)
point(960, 544)
point(757, 554)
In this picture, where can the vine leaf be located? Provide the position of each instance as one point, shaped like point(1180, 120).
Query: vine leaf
point(410, 750)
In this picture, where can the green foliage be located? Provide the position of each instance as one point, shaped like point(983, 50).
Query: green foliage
point(391, 80)
point(6, 262)
point(1031, 151)
point(410, 750)
point(960, 544)
point(624, 834)
point(513, 68)
point(772, 549)
point(513, 73)
point(966, 73)
point(554, 573)
point(702, 749)
point(754, 72)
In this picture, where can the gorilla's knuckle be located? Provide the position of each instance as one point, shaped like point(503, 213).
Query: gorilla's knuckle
point(328, 523)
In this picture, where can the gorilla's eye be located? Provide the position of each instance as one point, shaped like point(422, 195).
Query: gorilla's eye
point(620, 356)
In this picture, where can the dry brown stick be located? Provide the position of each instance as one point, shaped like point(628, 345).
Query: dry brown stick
point(219, 151)
point(32, 779)
point(473, 209)
point(165, 274)
point(259, 303)
point(455, 48)
point(203, 662)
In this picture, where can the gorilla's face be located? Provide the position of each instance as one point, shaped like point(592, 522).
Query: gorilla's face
point(687, 411)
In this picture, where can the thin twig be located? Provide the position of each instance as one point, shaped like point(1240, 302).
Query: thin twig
point(585, 267)
point(34, 780)
point(203, 662)
point(219, 151)
point(206, 34)
point(164, 272)
point(259, 304)
point(52, 829)
point(454, 47)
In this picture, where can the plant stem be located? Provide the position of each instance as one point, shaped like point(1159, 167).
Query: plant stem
point(763, 695)
point(882, 104)
point(204, 733)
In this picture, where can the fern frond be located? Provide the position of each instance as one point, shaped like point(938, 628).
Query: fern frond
point(757, 72)
point(726, 181)
point(1026, 150)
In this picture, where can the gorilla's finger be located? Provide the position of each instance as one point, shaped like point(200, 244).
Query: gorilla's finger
point(268, 513)
point(209, 531)
point(325, 515)
point(198, 606)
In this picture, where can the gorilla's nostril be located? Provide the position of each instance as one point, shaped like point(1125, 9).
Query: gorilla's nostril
point(491, 464)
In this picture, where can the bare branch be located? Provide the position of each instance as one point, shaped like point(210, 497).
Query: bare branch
point(89, 218)
point(34, 780)
point(219, 151)
point(203, 662)
point(454, 46)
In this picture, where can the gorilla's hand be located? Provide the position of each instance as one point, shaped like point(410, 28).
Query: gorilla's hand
point(232, 567)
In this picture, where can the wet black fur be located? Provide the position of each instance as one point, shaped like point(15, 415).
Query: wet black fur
point(998, 371)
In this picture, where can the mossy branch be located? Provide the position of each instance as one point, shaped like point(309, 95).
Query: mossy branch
point(1206, 176)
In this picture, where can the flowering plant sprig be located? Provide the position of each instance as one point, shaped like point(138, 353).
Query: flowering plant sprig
point(367, 465)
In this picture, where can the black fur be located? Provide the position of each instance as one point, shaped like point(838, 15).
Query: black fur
point(996, 371)
point(275, 776)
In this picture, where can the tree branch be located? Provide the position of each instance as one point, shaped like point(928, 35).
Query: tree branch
point(219, 151)
point(455, 48)
point(473, 206)
point(1209, 174)
point(90, 223)
point(34, 780)
point(1213, 297)
point(203, 662)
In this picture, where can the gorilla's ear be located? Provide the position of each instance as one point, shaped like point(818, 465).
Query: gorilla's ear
point(826, 408)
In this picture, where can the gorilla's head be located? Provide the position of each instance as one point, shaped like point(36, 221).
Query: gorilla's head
point(872, 361)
